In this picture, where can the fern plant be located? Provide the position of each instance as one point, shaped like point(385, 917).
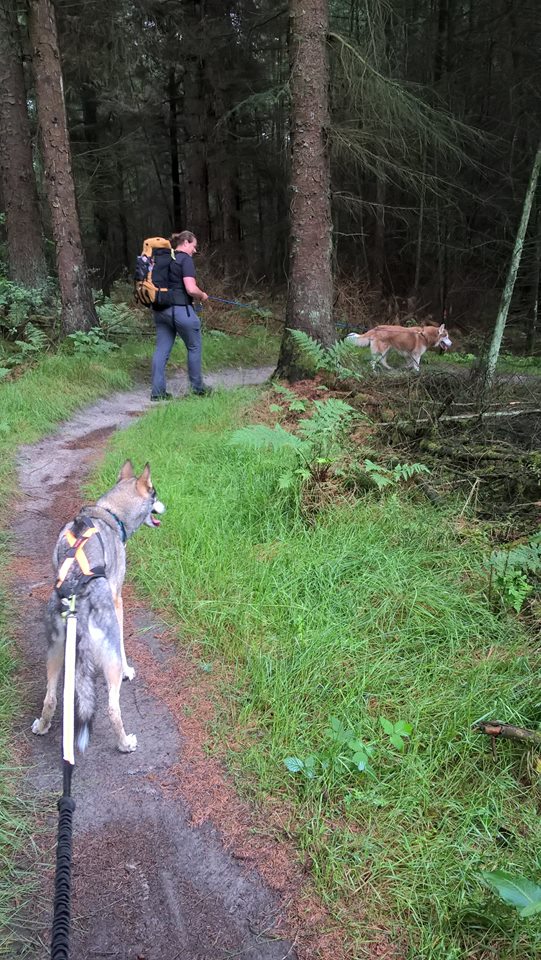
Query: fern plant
point(35, 341)
point(332, 359)
point(294, 403)
point(318, 444)
point(116, 319)
point(18, 304)
point(515, 572)
point(383, 477)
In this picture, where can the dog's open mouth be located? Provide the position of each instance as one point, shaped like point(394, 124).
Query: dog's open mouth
point(152, 519)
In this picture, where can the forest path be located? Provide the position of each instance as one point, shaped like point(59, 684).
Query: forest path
point(168, 863)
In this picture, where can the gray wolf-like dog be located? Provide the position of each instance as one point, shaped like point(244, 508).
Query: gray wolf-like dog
point(102, 529)
point(410, 342)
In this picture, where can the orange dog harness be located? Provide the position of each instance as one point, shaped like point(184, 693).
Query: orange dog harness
point(77, 539)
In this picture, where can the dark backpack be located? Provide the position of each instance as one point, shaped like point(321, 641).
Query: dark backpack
point(151, 280)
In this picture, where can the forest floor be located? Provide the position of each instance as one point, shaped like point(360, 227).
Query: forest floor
point(159, 871)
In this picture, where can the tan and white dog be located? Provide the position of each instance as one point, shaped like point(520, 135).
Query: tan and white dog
point(409, 342)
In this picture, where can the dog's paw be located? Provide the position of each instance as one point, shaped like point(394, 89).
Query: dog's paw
point(129, 745)
point(40, 727)
point(128, 673)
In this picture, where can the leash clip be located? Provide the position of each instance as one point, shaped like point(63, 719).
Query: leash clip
point(69, 602)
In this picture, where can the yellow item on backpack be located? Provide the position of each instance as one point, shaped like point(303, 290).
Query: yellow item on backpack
point(151, 272)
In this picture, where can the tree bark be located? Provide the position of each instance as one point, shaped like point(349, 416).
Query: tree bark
point(494, 349)
point(178, 217)
point(78, 311)
point(420, 229)
point(533, 319)
point(195, 154)
point(378, 271)
point(100, 255)
point(194, 112)
point(26, 256)
point(310, 295)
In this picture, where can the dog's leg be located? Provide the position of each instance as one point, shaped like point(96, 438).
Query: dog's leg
point(128, 672)
point(55, 659)
point(126, 742)
point(375, 357)
point(383, 361)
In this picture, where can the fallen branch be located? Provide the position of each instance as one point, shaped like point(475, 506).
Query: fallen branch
point(486, 414)
point(477, 453)
point(496, 729)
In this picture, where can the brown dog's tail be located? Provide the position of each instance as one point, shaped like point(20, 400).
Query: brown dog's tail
point(359, 339)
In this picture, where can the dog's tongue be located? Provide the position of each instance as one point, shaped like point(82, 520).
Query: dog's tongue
point(155, 520)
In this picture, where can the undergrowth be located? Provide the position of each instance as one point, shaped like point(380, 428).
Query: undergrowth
point(363, 648)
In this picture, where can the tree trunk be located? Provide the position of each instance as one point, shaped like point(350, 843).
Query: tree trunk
point(378, 271)
point(101, 255)
point(78, 311)
point(178, 218)
point(195, 150)
point(533, 320)
point(26, 256)
point(310, 295)
point(420, 228)
point(494, 349)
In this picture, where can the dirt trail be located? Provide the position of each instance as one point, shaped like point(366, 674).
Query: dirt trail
point(154, 877)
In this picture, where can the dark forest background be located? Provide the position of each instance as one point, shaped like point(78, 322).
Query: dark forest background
point(179, 115)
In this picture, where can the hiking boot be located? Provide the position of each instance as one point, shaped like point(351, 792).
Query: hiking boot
point(203, 391)
point(161, 396)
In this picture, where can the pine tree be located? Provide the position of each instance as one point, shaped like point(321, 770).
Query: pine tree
point(309, 304)
point(78, 311)
point(26, 255)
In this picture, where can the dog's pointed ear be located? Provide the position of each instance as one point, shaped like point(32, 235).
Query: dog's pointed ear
point(126, 472)
point(144, 482)
point(442, 328)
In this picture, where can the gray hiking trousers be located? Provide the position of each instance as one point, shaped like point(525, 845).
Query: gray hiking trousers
point(170, 322)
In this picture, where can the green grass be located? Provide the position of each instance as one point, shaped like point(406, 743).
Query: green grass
point(16, 839)
point(255, 347)
point(30, 407)
point(377, 610)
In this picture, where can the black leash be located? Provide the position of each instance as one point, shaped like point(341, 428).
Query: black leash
point(66, 803)
point(62, 881)
point(235, 303)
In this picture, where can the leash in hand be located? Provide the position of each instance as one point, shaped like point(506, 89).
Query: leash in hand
point(235, 303)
